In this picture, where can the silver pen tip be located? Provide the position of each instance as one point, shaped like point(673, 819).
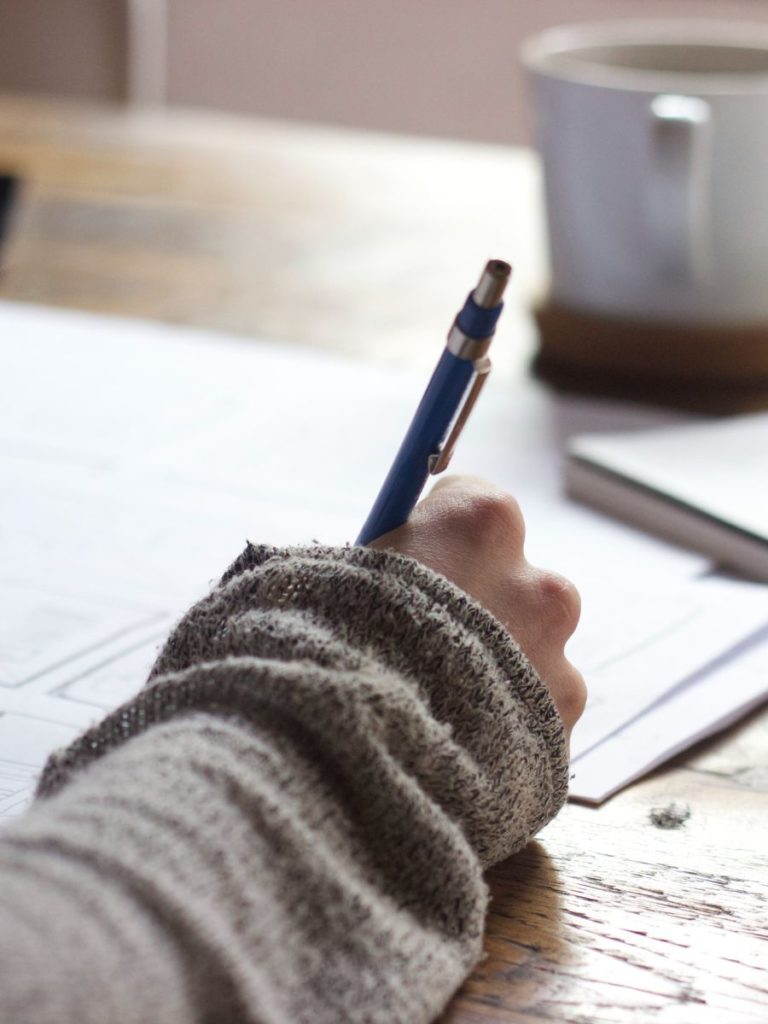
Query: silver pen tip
point(492, 283)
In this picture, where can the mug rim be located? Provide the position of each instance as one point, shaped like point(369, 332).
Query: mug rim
point(538, 53)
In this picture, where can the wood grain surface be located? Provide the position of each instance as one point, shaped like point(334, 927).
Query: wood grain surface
point(361, 243)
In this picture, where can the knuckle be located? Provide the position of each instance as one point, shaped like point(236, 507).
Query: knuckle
point(560, 600)
point(497, 517)
point(574, 698)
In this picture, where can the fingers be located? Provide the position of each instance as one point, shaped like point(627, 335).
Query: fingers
point(485, 514)
point(567, 689)
point(541, 610)
point(473, 533)
point(560, 603)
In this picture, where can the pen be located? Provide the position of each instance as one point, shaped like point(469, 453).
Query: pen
point(462, 370)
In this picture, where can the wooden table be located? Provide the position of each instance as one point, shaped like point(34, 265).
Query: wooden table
point(360, 243)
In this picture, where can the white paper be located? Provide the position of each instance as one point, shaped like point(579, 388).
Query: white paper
point(25, 743)
point(639, 646)
point(136, 459)
point(690, 713)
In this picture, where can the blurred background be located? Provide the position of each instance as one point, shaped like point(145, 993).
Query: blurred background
point(436, 67)
point(320, 172)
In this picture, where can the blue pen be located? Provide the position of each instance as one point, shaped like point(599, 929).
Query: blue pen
point(462, 370)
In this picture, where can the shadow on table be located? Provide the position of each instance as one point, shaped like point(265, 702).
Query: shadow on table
point(524, 940)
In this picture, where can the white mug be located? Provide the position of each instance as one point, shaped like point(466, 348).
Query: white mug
point(654, 139)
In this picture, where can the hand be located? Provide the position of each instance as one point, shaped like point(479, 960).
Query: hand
point(473, 534)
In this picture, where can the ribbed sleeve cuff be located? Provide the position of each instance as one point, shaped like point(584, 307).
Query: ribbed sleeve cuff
point(512, 773)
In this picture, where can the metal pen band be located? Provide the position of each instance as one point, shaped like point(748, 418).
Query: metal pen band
point(461, 345)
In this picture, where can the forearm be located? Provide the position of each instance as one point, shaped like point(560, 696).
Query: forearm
point(340, 742)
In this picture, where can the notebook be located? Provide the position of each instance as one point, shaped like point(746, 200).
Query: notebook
point(703, 485)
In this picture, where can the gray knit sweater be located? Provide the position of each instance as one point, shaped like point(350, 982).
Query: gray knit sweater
point(289, 823)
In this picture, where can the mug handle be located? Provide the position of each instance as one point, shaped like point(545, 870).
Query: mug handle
point(679, 211)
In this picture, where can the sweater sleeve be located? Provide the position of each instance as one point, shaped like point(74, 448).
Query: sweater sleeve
point(289, 823)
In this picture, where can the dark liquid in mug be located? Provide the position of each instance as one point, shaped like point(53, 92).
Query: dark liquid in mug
point(674, 58)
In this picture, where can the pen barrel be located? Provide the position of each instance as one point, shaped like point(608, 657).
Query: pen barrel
point(429, 428)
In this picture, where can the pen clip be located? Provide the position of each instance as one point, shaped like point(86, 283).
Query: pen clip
point(440, 459)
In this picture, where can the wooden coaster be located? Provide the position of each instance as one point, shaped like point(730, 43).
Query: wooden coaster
point(713, 369)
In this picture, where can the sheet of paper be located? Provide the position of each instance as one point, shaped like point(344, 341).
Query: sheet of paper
point(135, 460)
point(637, 647)
point(693, 711)
point(25, 743)
point(50, 710)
